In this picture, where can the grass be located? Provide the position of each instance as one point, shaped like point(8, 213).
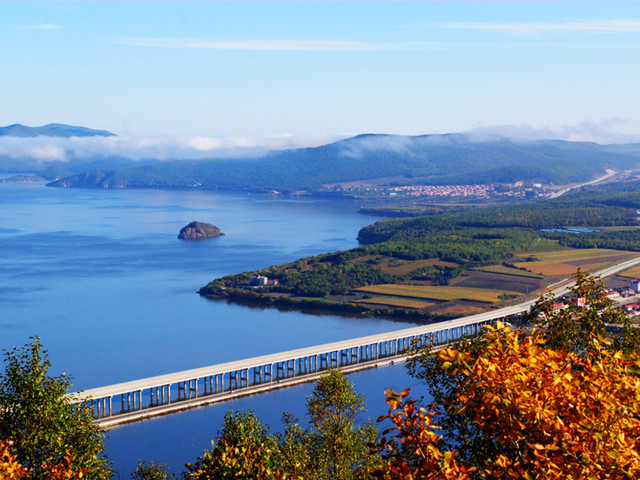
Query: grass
point(502, 270)
point(395, 302)
point(440, 293)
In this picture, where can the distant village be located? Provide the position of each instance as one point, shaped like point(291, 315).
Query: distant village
point(625, 297)
point(516, 190)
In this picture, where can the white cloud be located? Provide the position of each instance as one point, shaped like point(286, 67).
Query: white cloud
point(594, 26)
point(46, 152)
point(161, 148)
point(286, 45)
point(308, 45)
point(607, 131)
point(47, 149)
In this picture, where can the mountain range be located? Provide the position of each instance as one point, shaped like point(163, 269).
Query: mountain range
point(51, 130)
point(426, 159)
point(448, 159)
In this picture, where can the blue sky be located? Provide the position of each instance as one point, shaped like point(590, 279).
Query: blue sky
point(313, 70)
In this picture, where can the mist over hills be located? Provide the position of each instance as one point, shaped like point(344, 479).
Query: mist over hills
point(428, 159)
point(69, 155)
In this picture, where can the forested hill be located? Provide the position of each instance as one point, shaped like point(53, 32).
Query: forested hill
point(430, 159)
point(609, 205)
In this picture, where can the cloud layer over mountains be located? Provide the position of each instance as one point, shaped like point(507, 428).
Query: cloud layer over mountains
point(47, 149)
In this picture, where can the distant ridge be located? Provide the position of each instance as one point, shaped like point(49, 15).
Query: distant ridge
point(452, 159)
point(52, 130)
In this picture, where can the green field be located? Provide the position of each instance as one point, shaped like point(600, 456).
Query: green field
point(440, 293)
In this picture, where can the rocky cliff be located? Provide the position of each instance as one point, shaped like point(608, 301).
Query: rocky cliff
point(199, 231)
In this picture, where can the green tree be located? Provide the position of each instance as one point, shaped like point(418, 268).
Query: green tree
point(333, 447)
point(583, 318)
point(151, 471)
point(340, 447)
point(41, 421)
point(245, 450)
point(295, 451)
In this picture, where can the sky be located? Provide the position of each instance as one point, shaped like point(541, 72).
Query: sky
point(210, 75)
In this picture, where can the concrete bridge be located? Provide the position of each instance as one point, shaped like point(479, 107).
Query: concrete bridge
point(134, 400)
point(138, 399)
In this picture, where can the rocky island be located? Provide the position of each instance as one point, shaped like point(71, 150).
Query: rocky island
point(199, 231)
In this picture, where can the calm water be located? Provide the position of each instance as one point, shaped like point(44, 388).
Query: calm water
point(101, 277)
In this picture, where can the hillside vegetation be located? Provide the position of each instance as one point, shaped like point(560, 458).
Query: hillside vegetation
point(427, 159)
point(436, 266)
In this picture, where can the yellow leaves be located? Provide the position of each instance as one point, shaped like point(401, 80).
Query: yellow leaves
point(10, 467)
point(566, 415)
point(413, 453)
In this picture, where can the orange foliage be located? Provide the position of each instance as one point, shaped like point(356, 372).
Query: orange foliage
point(63, 470)
point(11, 469)
point(413, 452)
point(553, 414)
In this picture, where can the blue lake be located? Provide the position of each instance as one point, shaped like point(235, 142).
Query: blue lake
point(101, 277)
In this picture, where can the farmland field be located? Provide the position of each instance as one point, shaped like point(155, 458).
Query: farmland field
point(441, 293)
point(550, 268)
point(566, 262)
point(502, 270)
point(404, 267)
point(631, 273)
point(575, 254)
point(395, 302)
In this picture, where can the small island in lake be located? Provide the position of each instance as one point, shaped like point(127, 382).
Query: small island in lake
point(199, 231)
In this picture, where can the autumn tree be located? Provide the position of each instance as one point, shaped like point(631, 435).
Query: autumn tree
point(411, 448)
point(12, 469)
point(46, 429)
point(549, 413)
point(533, 412)
point(10, 466)
point(458, 431)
